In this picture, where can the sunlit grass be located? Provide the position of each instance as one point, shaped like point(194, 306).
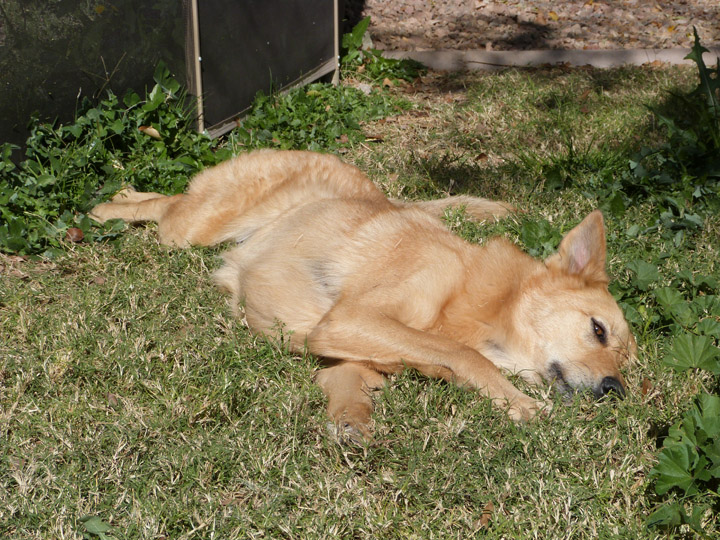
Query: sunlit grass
point(128, 391)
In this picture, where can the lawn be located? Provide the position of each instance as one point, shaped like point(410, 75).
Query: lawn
point(133, 405)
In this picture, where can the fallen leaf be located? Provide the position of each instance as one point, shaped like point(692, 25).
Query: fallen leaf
point(365, 88)
point(14, 272)
point(554, 16)
point(17, 258)
point(646, 387)
point(73, 234)
point(486, 514)
point(655, 64)
point(17, 463)
point(150, 132)
point(585, 95)
point(343, 139)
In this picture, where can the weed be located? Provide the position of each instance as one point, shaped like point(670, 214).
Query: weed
point(315, 117)
point(59, 180)
point(370, 62)
point(682, 175)
point(683, 180)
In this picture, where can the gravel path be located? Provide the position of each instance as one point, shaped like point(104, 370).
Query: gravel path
point(527, 25)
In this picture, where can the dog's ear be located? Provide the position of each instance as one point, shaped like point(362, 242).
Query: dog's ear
point(582, 251)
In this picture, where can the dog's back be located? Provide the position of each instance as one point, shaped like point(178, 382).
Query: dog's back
point(231, 200)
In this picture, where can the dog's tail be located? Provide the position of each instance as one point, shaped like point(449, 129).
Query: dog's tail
point(475, 208)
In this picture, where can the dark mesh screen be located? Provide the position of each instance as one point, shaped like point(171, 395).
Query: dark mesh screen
point(252, 45)
point(52, 53)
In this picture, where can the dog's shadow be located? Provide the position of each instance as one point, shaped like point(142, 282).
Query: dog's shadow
point(456, 174)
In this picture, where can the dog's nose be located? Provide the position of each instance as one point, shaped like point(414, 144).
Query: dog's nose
point(611, 384)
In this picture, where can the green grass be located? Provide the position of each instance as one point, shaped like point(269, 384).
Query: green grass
point(129, 393)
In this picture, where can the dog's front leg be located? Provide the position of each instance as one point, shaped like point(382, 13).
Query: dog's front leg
point(356, 333)
point(349, 387)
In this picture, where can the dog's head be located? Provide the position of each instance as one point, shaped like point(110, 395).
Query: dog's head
point(580, 336)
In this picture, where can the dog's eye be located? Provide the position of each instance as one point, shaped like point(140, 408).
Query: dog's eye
point(599, 331)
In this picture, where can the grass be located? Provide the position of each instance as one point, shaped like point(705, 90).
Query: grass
point(129, 394)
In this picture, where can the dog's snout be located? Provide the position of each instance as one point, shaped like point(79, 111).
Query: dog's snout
point(610, 385)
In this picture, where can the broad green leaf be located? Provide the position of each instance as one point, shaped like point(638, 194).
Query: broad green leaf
point(155, 99)
point(712, 451)
point(668, 515)
point(131, 99)
point(118, 126)
point(693, 352)
point(708, 85)
point(708, 303)
point(707, 416)
point(353, 40)
point(709, 327)
point(673, 469)
point(707, 281)
point(95, 525)
point(645, 273)
point(675, 305)
point(616, 204)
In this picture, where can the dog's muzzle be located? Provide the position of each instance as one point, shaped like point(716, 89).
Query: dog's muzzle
point(609, 386)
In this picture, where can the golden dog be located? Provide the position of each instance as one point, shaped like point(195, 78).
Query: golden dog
point(374, 285)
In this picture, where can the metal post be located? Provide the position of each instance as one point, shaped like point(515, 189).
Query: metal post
point(197, 59)
point(336, 75)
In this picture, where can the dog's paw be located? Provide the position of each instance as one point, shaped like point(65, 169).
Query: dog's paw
point(346, 433)
point(102, 212)
point(525, 408)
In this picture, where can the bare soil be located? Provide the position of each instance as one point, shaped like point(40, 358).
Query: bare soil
point(527, 25)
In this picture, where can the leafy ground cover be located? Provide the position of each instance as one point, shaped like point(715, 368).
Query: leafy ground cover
point(132, 405)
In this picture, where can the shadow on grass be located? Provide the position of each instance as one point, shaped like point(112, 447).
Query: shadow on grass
point(458, 174)
point(575, 124)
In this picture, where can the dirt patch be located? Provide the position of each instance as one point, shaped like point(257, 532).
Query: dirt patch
point(524, 25)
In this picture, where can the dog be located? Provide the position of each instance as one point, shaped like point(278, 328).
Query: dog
point(373, 286)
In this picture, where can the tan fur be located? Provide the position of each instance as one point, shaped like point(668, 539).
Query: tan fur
point(377, 285)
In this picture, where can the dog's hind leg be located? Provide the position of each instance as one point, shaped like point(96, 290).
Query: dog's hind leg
point(136, 209)
point(175, 226)
point(348, 387)
point(182, 219)
point(128, 194)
